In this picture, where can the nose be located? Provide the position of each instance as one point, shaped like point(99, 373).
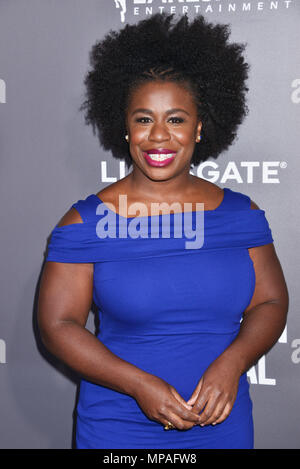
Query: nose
point(159, 132)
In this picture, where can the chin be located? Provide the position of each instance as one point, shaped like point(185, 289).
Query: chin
point(161, 175)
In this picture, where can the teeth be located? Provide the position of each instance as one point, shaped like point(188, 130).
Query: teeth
point(160, 156)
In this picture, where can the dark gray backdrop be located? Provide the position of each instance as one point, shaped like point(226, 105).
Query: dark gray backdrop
point(50, 159)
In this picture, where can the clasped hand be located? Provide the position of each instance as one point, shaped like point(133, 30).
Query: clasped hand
point(210, 403)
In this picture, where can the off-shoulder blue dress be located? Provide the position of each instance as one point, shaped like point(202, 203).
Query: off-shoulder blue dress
point(168, 309)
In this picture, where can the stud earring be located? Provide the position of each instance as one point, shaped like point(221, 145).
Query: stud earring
point(198, 138)
point(126, 138)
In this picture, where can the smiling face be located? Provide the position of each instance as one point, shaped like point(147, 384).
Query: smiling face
point(162, 125)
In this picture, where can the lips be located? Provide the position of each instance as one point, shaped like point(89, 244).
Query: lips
point(159, 156)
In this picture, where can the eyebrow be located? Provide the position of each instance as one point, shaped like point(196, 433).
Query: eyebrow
point(148, 111)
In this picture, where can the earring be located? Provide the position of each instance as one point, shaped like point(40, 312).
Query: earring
point(198, 138)
point(126, 137)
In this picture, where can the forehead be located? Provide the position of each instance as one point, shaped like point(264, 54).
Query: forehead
point(160, 94)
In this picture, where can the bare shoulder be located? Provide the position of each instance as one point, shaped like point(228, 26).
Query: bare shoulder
point(209, 192)
point(70, 217)
point(114, 188)
point(206, 186)
point(111, 192)
point(254, 206)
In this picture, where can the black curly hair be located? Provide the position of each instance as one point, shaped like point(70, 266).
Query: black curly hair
point(196, 55)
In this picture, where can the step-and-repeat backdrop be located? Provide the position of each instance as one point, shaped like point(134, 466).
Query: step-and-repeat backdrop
point(50, 159)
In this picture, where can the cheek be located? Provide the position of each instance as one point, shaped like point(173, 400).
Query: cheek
point(184, 136)
point(137, 136)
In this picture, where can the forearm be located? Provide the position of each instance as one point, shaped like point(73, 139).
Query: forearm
point(260, 329)
point(78, 348)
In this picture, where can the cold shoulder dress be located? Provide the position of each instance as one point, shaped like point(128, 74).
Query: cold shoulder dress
point(169, 309)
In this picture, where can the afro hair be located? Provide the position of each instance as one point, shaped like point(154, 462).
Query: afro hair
point(196, 54)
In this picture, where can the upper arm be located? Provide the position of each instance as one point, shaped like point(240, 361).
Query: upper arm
point(66, 289)
point(270, 285)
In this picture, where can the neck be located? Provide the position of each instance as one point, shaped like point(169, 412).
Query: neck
point(160, 189)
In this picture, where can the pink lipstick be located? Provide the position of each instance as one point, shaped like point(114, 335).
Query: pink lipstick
point(159, 157)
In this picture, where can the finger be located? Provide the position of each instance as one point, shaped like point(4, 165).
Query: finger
point(195, 394)
point(180, 399)
point(178, 422)
point(182, 410)
point(201, 401)
point(209, 409)
point(166, 422)
point(186, 415)
point(225, 413)
point(217, 412)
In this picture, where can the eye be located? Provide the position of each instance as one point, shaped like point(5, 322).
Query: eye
point(141, 119)
point(178, 119)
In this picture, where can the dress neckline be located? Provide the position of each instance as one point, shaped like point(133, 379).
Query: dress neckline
point(220, 206)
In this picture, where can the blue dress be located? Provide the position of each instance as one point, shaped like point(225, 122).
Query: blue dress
point(168, 309)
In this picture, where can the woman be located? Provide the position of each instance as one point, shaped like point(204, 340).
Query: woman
point(179, 327)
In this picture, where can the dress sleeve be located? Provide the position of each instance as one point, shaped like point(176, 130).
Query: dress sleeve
point(259, 229)
point(252, 228)
point(81, 243)
point(77, 242)
point(236, 224)
point(262, 232)
point(72, 243)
